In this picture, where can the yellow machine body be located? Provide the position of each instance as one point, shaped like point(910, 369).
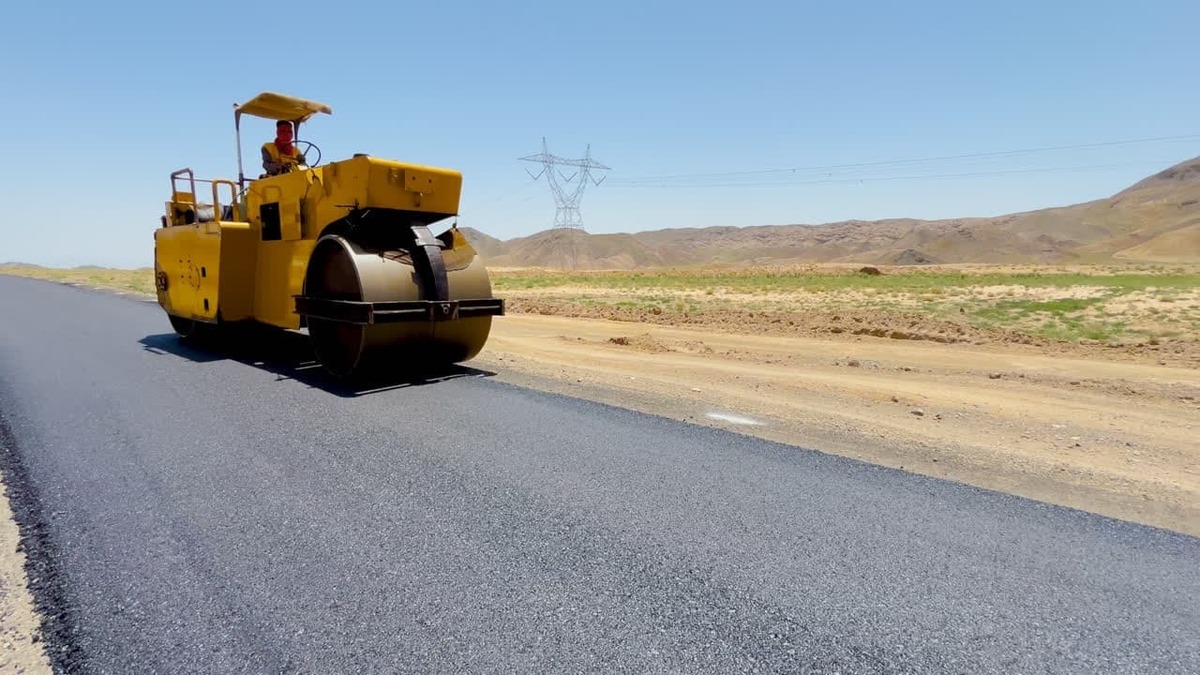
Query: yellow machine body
point(343, 250)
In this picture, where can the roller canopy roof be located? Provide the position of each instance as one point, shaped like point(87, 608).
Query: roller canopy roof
point(281, 107)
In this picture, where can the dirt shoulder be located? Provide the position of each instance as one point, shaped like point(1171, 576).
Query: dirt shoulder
point(21, 648)
point(1114, 436)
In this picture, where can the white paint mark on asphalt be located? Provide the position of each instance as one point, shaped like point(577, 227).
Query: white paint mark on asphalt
point(736, 419)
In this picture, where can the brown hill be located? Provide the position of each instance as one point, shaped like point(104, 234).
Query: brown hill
point(574, 249)
point(1178, 245)
point(487, 246)
point(1156, 219)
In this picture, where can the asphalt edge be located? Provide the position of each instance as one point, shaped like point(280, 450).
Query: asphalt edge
point(42, 576)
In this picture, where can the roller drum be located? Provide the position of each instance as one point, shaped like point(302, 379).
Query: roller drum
point(341, 269)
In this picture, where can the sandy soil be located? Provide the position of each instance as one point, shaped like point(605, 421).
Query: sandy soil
point(20, 645)
point(1074, 427)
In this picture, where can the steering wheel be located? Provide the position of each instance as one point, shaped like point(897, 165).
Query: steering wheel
point(310, 146)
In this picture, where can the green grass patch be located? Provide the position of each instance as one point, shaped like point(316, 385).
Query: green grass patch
point(1008, 310)
point(1059, 319)
point(929, 282)
point(139, 280)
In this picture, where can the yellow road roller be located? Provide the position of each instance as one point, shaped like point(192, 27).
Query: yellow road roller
point(343, 250)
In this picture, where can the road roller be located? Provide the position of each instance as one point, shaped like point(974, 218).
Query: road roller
point(344, 250)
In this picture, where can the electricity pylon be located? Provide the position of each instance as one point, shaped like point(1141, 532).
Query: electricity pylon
point(566, 196)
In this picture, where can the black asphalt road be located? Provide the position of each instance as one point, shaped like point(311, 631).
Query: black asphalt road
point(194, 510)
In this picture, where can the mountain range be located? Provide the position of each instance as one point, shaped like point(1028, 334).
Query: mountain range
point(1154, 220)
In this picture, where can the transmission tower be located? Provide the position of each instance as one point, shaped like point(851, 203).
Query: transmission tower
point(566, 195)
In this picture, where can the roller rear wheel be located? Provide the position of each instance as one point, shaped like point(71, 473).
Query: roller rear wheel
point(184, 328)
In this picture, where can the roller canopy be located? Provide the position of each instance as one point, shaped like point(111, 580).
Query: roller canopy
point(281, 107)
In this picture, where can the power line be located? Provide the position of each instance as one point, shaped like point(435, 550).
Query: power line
point(860, 165)
point(872, 179)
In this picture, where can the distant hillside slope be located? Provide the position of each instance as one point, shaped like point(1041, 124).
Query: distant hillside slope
point(1162, 213)
point(573, 249)
point(487, 246)
point(1156, 219)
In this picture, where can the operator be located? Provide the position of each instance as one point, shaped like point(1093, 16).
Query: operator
point(280, 156)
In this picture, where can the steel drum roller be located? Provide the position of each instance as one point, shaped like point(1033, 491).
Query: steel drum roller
point(413, 308)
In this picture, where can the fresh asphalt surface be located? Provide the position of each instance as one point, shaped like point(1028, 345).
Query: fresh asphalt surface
point(192, 510)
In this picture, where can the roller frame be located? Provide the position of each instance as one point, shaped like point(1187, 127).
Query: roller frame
point(357, 312)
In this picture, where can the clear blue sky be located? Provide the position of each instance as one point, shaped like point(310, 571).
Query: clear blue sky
point(101, 102)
